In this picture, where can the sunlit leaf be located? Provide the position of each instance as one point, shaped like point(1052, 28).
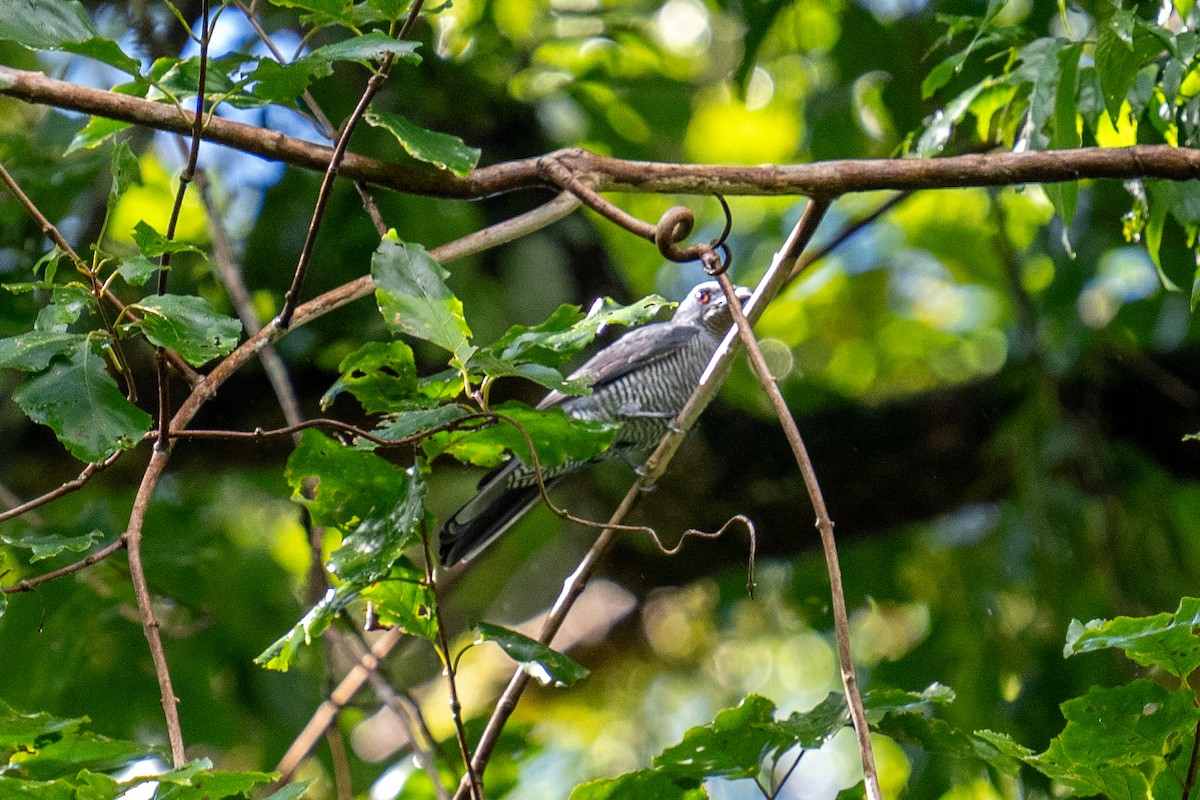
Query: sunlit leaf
point(96, 132)
point(1168, 641)
point(546, 666)
point(369, 47)
point(733, 746)
point(84, 406)
point(352, 485)
point(442, 150)
point(369, 551)
point(414, 298)
point(1116, 61)
point(189, 325)
point(153, 244)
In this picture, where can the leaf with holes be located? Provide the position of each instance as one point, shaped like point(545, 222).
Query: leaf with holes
point(382, 376)
point(546, 666)
point(82, 403)
point(188, 325)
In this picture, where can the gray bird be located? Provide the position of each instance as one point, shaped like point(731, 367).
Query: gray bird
point(642, 380)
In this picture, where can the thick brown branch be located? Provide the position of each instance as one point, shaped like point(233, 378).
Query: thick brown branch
point(601, 173)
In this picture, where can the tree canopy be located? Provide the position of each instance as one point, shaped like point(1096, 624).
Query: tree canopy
point(282, 279)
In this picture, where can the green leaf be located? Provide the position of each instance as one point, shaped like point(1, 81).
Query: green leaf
point(546, 666)
point(404, 424)
point(33, 351)
point(376, 544)
point(1168, 641)
point(59, 25)
point(153, 244)
point(369, 47)
point(1065, 132)
point(352, 485)
point(81, 402)
point(292, 791)
point(189, 325)
point(414, 299)
point(95, 133)
point(1116, 62)
point(1115, 738)
point(49, 545)
point(17, 729)
point(568, 331)
point(557, 438)
point(281, 652)
point(136, 270)
point(382, 376)
point(64, 756)
point(404, 600)
point(733, 746)
point(645, 784)
point(326, 10)
point(68, 303)
point(442, 150)
point(125, 172)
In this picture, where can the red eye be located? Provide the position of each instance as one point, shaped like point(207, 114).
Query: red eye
point(702, 296)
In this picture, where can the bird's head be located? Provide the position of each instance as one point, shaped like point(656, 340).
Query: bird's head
point(706, 304)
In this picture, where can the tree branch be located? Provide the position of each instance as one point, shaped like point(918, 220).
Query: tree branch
point(602, 173)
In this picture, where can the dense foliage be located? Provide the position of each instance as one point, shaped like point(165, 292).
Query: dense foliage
point(996, 384)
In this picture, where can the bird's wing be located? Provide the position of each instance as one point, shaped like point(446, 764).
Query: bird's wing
point(634, 350)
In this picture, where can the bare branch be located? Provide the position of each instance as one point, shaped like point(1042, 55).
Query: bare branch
point(66, 488)
point(603, 174)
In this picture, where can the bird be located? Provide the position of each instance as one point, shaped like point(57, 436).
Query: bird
point(642, 380)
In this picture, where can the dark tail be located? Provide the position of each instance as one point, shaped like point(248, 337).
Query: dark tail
point(490, 513)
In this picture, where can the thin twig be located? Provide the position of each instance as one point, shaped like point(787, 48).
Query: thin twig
point(841, 621)
point(258, 434)
point(68, 487)
point(1189, 782)
point(29, 584)
point(292, 297)
point(450, 671)
point(710, 381)
point(185, 179)
point(817, 253)
point(325, 714)
point(150, 625)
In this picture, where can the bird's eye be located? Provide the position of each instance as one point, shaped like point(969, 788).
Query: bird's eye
point(702, 296)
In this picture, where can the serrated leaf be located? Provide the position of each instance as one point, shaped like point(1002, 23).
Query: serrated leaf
point(59, 25)
point(1115, 738)
point(189, 325)
point(380, 375)
point(414, 299)
point(43, 546)
point(33, 351)
point(645, 784)
point(442, 150)
point(82, 403)
point(546, 666)
point(403, 600)
point(1168, 641)
point(153, 244)
point(557, 438)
